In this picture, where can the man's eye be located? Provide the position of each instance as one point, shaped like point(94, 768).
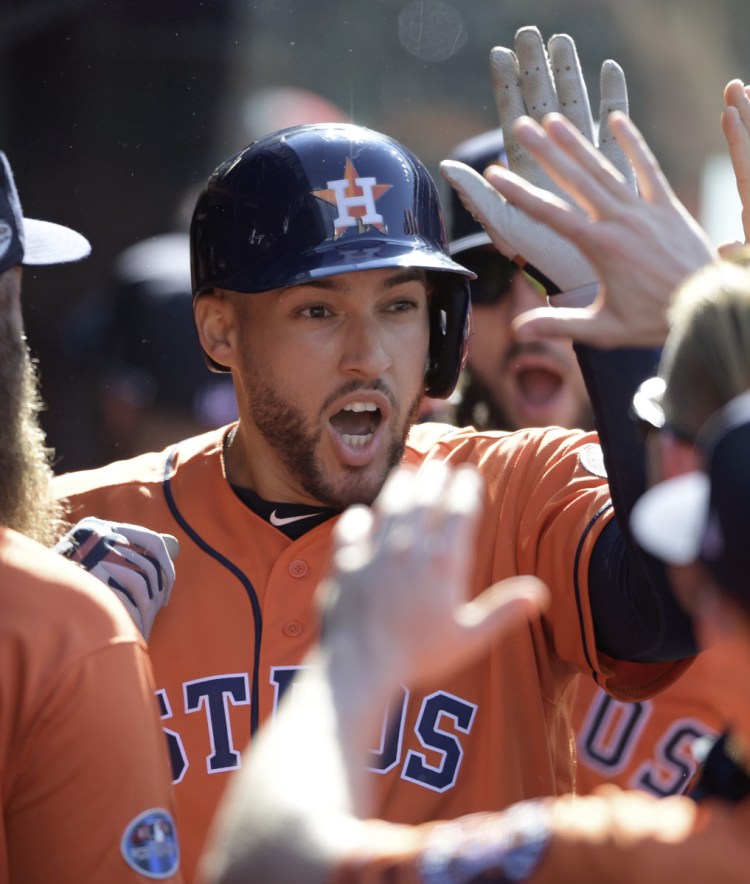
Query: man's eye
point(403, 306)
point(317, 311)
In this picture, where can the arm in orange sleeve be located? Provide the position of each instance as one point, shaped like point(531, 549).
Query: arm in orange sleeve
point(612, 837)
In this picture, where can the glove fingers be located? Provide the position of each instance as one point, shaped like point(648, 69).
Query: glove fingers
point(149, 567)
point(537, 84)
point(134, 590)
point(506, 86)
point(614, 96)
point(126, 580)
point(151, 544)
point(572, 95)
point(164, 546)
point(514, 233)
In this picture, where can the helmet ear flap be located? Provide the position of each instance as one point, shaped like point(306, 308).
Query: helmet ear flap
point(450, 329)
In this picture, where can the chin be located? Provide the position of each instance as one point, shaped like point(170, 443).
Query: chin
point(364, 485)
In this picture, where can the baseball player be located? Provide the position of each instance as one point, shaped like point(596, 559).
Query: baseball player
point(301, 810)
point(322, 282)
point(507, 385)
point(698, 413)
point(84, 778)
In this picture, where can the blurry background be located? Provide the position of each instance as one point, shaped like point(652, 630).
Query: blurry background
point(113, 111)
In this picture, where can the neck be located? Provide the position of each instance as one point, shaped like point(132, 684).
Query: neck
point(250, 463)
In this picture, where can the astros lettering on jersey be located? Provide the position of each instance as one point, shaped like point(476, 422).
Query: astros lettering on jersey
point(653, 745)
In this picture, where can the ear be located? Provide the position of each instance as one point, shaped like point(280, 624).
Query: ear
point(215, 317)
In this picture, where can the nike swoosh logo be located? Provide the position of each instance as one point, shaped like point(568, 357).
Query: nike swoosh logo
point(278, 523)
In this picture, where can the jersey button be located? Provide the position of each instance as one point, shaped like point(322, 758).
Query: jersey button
point(298, 568)
point(292, 628)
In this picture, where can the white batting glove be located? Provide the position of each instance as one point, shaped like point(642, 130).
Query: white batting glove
point(529, 82)
point(135, 562)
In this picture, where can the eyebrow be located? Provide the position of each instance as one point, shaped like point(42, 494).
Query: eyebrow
point(399, 277)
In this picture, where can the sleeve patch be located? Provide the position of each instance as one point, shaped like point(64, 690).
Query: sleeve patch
point(591, 459)
point(149, 844)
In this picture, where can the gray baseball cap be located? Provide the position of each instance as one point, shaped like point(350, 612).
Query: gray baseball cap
point(28, 241)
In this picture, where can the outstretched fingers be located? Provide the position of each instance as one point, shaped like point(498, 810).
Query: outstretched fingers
point(583, 325)
point(575, 165)
point(652, 182)
point(540, 204)
point(614, 97)
point(735, 123)
point(736, 95)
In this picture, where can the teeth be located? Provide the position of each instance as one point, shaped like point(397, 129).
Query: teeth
point(356, 441)
point(360, 406)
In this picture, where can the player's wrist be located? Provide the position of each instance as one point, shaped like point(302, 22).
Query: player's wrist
point(507, 846)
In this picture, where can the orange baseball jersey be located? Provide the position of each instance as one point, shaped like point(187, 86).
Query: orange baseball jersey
point(646, 745)
point(241, 618)
point(84, 776)
point(615, 837)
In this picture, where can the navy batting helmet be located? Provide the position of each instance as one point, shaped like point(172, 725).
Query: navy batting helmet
point(321, 199)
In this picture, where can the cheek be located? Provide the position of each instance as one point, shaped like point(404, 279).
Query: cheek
point(408, 348)
point(490, 341)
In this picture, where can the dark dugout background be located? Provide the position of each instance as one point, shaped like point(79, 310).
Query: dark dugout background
point(111, 111)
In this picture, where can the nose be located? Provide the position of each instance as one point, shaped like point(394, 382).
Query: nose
point(523, 296)
point(364, 351)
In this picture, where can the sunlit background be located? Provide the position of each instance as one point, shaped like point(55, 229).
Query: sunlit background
point(114, 111)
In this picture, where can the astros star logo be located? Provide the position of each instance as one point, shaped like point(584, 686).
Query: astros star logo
point(355, 199)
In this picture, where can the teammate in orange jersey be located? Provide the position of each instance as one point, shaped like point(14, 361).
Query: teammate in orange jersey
point(508, 385)
point(304, 774)
point(323, 284)
point(84, 777)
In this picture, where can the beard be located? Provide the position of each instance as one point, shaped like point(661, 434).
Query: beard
point(285, 429)
point(26, 502)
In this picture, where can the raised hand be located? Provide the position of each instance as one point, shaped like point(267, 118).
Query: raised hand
point(642, 244)
point(401, 573)
point(531, 82)
point(735, 123)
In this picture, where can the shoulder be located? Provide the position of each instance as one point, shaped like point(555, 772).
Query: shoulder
point(142, 471)
point(468, 444)
point(44, 594)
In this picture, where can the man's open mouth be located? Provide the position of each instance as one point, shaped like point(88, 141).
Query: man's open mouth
point(538, 386)
point(356, 422)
